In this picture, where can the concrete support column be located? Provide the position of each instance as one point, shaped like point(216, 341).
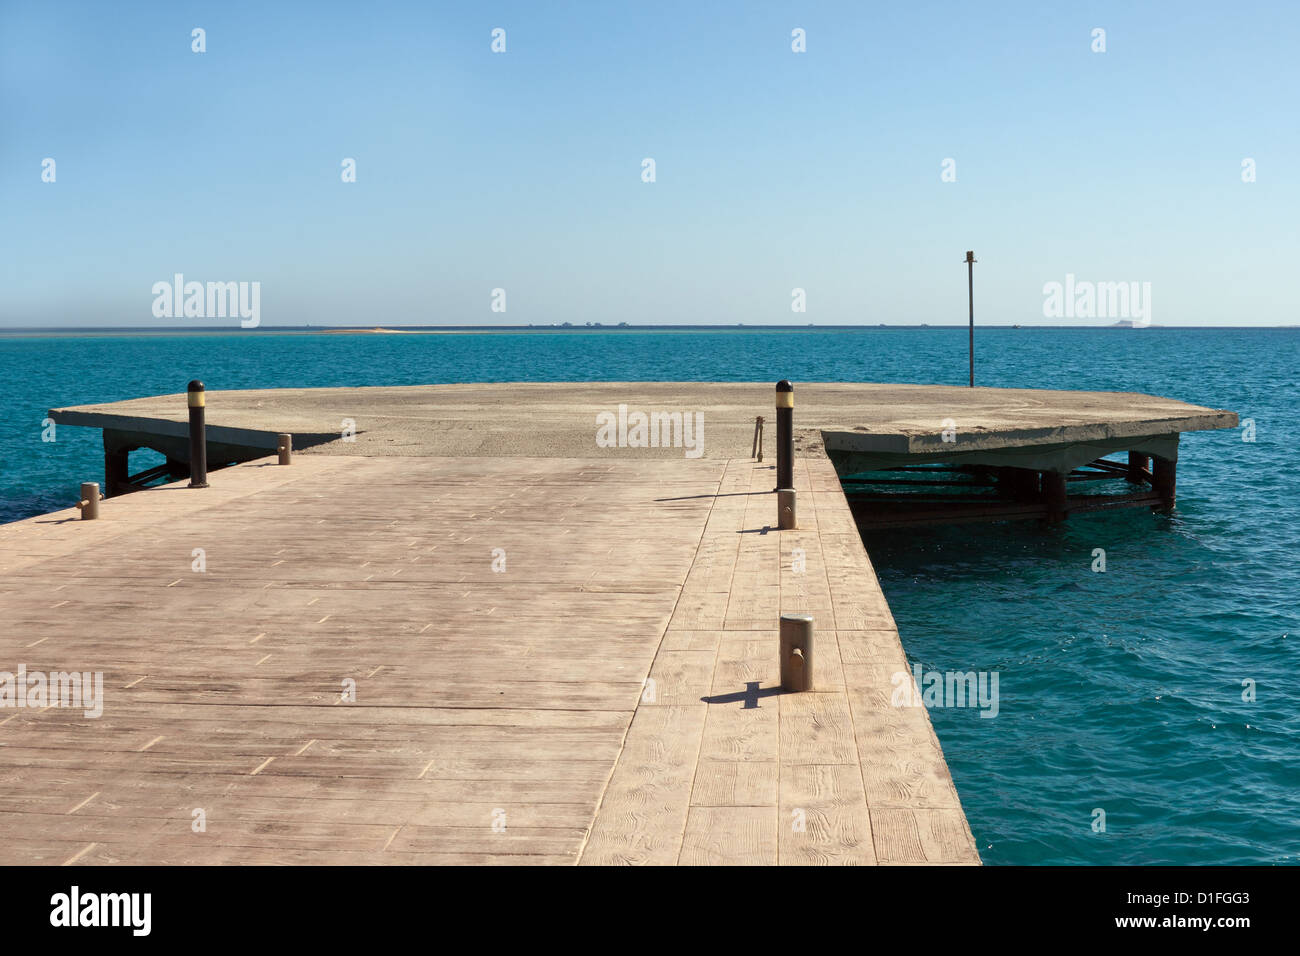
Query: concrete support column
point(116, 470)
point(1054, 495)
point(1164, 473)
point(1019, 484)
point(1137, 464)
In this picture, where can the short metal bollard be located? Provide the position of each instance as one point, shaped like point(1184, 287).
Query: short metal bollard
point(90, 498)
point(785, 513)
point(796, 652)
point(284, 446)
point(198, 436)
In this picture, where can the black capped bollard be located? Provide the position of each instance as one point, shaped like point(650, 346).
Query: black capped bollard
point(198, 437)
point(796, 652)
point(784, 435)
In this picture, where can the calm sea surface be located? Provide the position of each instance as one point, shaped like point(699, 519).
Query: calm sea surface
point(1120, 691)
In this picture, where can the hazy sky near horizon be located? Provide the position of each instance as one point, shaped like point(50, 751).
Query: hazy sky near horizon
point(523, 170)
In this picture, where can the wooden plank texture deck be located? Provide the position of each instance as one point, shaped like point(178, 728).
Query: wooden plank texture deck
point(608, 697)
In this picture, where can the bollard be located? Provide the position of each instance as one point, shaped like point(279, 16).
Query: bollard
point(785, 513)
point(796, 652)
point(757, 450)
point(89, 503)
point(284, 445)
point(198, 437)
point(784, 435)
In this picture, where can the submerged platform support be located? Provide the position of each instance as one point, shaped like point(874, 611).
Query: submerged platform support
point(1164, 473)
point(1137, 467)
point(116, 468)
point(1018, 484)
point(1054, 497)
point(118, 479)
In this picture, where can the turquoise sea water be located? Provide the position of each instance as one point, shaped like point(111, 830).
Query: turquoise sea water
point(1119, 691)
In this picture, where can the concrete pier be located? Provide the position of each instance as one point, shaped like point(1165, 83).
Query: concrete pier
point(557, 420)
point(475, 635)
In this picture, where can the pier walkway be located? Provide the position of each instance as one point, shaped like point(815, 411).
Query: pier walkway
point(460, 629)
point(608, 697)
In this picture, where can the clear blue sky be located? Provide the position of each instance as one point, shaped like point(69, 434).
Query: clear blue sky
point(522, 170)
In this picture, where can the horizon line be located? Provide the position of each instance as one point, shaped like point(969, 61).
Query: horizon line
point(602, 327)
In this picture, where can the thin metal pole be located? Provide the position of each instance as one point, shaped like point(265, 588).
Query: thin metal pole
point(970, 286)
